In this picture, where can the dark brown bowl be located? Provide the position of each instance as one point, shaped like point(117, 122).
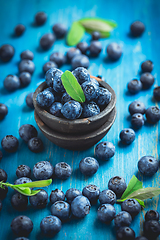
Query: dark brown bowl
point(74, 126)
point(76, 142)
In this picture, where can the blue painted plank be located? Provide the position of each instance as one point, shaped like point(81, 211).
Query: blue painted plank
point(117, 74)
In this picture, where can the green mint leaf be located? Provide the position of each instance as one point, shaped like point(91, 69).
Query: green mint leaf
point(145, 193)
point(75, 34)
point(26, 191)
point(111, 23)
point(42, 183)
point(72, 86)
point(133, 185)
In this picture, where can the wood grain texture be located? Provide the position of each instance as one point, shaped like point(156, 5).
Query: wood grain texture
point(117, 74)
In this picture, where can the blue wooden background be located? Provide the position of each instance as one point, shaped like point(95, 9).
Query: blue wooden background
point(117, 74)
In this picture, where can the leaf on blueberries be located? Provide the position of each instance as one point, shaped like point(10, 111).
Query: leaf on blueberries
point(75, 34)
point(145, 193)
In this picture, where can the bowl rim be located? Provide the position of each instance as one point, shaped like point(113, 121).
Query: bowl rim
point(63, 121)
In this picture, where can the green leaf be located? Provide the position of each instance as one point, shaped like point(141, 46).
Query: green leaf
point(26, 191)
point(72, 86)
point(112, 23)
point(42, 183)
point(75, 34)
point(145, 193)
point(133, 185)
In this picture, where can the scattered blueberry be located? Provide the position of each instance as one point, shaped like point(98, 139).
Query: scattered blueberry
point(81, 74)
point(96, 35)
point(49, 65)
point(50, 225)
point(153, 114)
point(6, 52)
point(3, 192)
point(106, 213)
point(29, 100)
point(26, 66)
point(40, 18)
point(23, 171)
point(90, 109)
point(72, 52)
point(148, 165)
point(35, 145)
point(39, 200)
point(19, 202)
point(151, 229)
point(27, 131)
point(19, 29)
point(3, 110)
point(107, 196)
point(43, 170)
point(45, 98)
point(47, 41)
point(114, 51)
point(61, 210)
point(72, 193)
point(80, 206)
point(137, 28)
point(25, 78)
point(152, 215)
point(66, 98)
point(27, 55)
point(80, 61)
point(95, 48)
point(11, 83)
point(62, 170)
point(71, 110)
point(156, 93)
point(91, 192)
point(137, 120)
point(88, 166)
point(118, 185)
point(59, 30)
point(58, 58)
point(22, 225)
point(125, 233)
point(55, 109)
point(127, 136)
point(53, 79)
point(90, 90)
point(1, 155)
point(10, 143)
point(104, 96)
point(147, 66)
point(131, 206)
point(134, 86)
point(3, 175)
point(147, 80)
point(83, 47)
point(22, 180)
point(122, 219)
point(57, 195)
point(136, 107)
point(105, 150)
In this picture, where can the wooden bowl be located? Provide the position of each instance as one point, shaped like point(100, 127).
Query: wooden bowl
point(79, 125)
point(76, 142)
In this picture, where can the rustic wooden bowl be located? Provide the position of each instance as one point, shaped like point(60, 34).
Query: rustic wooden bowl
point(79, 125)
point(76, 142)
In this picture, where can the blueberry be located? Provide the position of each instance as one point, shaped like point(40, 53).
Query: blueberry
point(19, 29)
point(147, 66)
point(80, 206)
point(90, 109)
point(47, 40)
point(114, 51)
point(57, 195)
point(66, 98)
point(127, 136)
point(61, 210)
point(90, 90)
point(72, 193)
point(19, 202)
point(83, 47)
point(137, 28)
point(131, 206)
point(35, 145)
point(122, 219)
point(40, 18)
point(136, 107)
point(62, 170)
point(45, 99)
point(153, 114)
point(27, 55)
point(106, 213)
point(25, 78)
point(137, 120)
point(43, 170)
point(58, 58)
point(104, 96)
point(39, 200)
point(152, 215)
point(71, 110)
point(147, 80)
point(134, 86)
point(81, 74)
point(141, 238)
point(105, 150)
point(26, 66)
point(3, 175)
point(95, 48)
point(0, 205)
point(1, 155)
point(148, 165)
point(22, 225)
point(72, 52)
point(10, 143)
point(125, 233)
point(11, 83)
point(3, 192)
point(50, 225)
point(91, 192)
point(59, 30)
point(23, 171)
point(6, 52)
point(49, 65)
point(107, 196)
point(88, 166)
point(27, 131)
point(21, 238)
point(151, 229)
point(57, 95)
point(53, 79)
point(55, 109)
point(80, 61)
point(96, 35)
point(3, 110)
point(118, 185)
point(29, 100)
point(22, 180)
point(94, 81)
point(156, 93)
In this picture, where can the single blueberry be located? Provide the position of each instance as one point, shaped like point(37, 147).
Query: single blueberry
point(72, 193)
point(19, 29)
point(22, 180)
point(43, 170)
point(71, 110)
point(57, 195)
point(11, 83)
point(114, 51)
point(80, 61)
point(10, 143)
point(147, 80)
point(91, 192)
point(39, 200)
point(61, 210)
point(47, 40)
point(95, 48)
point(19, 202)
point(83, 47)
point(50, 225)
point(29, 100)
point(152, 215)
point(134, 86)
point(137, 28)
point(3, 110)
point(55, 109)
point(23, 171)
point(122, 219)
point(45, 99)
point(3, 192)
point(106, 213)
point(90, 109)
point(125, 233)
point(35, 145)
point(118, 185)
point(147, 66)
point(105, 150)
point(80, 206)
point(6, 52)
point(58, 58)
point(96, 35)
point(94, 81)
point(148, 165)
point(151, 229)
point(91, 91)
point(127, 136)
point(72, 52)
point(66, 98)
point(25, 78)
point(137, 107)
point(40, 18)
point(22, 225)
point(62, 170)
point(137, 120)
point(3, 175)
point(107, 196)
point(88, 166)
point(131, 206)
point(81, 74)
point(53, 79)
point(156, 93)
point(26, 66)
point(59, 30)
point(27, 55)
point(27, 131)
point(153, 114)
point(104, 97)
point(49, 65)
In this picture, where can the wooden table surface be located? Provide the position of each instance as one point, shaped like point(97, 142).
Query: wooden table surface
point(117, 74)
